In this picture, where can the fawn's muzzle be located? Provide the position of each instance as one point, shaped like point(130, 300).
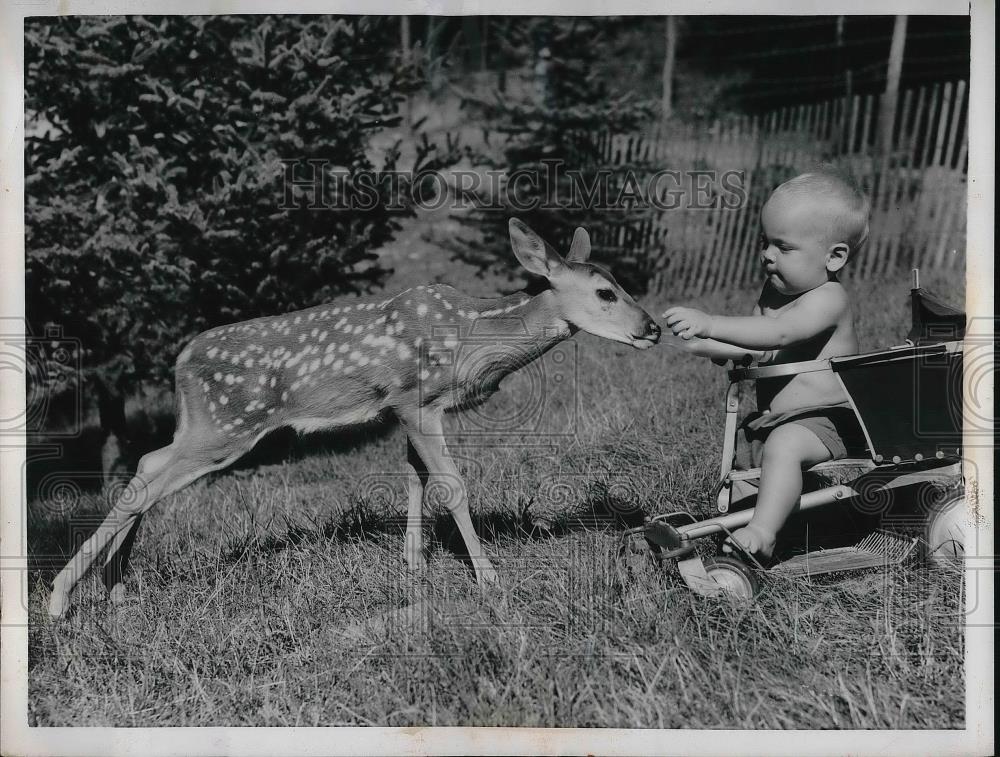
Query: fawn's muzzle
point(649, 337)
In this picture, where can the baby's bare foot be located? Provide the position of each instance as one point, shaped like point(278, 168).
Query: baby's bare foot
point(754, 540)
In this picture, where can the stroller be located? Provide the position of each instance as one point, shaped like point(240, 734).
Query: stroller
point(908, 403)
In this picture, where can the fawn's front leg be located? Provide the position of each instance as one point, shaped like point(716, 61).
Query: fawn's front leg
point(445, 485)
point(416, 481)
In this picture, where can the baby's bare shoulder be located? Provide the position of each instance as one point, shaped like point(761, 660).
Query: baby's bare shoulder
point(830, 296)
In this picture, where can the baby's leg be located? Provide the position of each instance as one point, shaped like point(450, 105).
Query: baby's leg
point(788, 450)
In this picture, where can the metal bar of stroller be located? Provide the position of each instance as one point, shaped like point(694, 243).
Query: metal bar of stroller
point(742, 517)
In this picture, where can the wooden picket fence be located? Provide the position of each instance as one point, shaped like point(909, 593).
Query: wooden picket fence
point(918, 189)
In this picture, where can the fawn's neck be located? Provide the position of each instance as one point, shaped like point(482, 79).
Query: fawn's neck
point(526, 326)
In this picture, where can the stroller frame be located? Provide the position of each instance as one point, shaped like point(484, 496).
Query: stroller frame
point(908, 403)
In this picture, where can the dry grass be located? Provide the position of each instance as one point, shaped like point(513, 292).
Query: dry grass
point(249, 588)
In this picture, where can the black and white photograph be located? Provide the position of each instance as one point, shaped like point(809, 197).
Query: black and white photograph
point(497, 380)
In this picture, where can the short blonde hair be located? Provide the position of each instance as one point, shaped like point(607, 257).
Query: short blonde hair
point(849, 224)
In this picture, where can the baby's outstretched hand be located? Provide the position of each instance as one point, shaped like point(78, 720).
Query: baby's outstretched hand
point(688, 323)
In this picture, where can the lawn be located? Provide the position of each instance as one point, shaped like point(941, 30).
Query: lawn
point(271, 595)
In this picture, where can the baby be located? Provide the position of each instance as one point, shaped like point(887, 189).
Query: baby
point(811, 226)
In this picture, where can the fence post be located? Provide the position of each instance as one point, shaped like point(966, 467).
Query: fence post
point(949, 153)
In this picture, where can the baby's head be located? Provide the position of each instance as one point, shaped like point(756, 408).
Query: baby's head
point(811, 226)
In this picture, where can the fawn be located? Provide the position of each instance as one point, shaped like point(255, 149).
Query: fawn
point(340, 364)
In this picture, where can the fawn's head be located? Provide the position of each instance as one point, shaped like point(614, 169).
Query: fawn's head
point(584, 295)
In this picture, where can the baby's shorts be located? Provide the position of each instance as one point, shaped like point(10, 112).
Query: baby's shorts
point(834, 425)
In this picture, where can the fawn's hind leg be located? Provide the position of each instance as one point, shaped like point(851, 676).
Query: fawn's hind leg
point(160, 473)
point(116, 561)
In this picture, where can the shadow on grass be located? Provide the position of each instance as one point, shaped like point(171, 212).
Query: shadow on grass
point(68, 497)
point(598, 511)
point(76, 460)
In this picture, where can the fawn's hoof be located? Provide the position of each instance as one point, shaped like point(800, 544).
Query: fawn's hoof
point(416, 563)
point(58, 604)
point(116, 594)
point(487, 576)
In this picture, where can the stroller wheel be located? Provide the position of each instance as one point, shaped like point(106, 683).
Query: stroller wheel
point(947, 527)
point(731, 577)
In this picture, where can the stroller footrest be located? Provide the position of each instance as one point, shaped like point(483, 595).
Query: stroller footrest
point(879, 550)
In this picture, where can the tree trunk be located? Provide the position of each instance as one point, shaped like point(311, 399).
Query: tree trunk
point(405, 50)
point(843, 128)
point(887, 117)
point(115, 460)
point(668, 67)
point(473, 42)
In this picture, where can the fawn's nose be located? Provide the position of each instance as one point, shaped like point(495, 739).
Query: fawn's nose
point(652, 330)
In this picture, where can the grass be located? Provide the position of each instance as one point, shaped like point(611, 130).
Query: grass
point(270, 596)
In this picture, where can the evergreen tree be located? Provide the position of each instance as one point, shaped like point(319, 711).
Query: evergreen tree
point(557, 129)
point(155, 189)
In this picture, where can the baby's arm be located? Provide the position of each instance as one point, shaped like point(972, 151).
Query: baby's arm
point(719, 352)
point(813, 313)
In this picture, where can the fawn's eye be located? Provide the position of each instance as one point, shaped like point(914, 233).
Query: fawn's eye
point(607, 295)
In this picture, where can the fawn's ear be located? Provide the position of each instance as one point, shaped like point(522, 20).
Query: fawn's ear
point(531, 250)
point(579, 251)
